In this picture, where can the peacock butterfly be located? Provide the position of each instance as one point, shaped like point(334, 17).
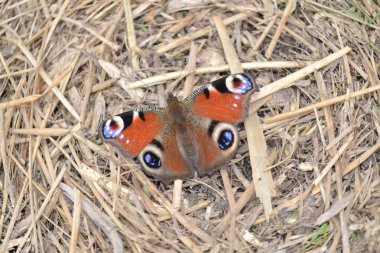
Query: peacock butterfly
point(196, 135)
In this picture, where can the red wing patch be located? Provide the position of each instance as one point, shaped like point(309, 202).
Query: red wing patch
point(224, 107)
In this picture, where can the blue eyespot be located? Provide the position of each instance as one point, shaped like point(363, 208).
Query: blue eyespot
point(226, 139)
point(152, 160)
point(112, 127)
point(239, 84)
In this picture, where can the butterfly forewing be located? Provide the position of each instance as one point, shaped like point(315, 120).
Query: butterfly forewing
point(224, 100)
point(125, 130)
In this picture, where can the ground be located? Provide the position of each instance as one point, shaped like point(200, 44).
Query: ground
point(306, 175)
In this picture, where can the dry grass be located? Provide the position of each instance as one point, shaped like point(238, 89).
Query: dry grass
point(311, 141)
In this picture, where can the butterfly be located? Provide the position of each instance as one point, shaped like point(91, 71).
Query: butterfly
point(195, 136)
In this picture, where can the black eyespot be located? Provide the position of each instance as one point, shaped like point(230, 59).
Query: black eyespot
point(226, 139)
point(152, 160)
point(236, 82)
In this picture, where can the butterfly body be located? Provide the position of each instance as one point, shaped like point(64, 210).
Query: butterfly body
point(193, 136)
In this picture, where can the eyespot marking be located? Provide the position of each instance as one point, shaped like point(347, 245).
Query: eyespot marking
point(152, 160)
point(226, 139)
point(238, 84)
point(113, 127)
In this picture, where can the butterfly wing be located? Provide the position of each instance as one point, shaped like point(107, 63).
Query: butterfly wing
point(147, 136)
point(224, 100)
point(216, 109)
point(217, 143)
point(131, 131)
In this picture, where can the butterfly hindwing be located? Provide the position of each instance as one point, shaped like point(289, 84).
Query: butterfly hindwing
point(165, 151)
point(217, 142)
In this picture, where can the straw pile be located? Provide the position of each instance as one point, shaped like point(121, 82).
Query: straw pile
point(311, 141)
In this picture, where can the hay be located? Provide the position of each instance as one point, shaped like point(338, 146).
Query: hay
point(311, 141)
